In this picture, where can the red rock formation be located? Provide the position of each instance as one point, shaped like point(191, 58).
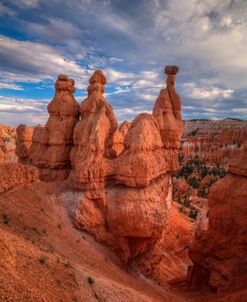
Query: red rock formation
point(152, 140)
point(124, 127)
point(7, 144)
point(167, 258)
point(167, 111)
point(209, 126)
point(215, 146)
point(219, 254)
point(123, 172)
point(51, 144)
point(238, 165)
point(93, 137)
point(23, 142)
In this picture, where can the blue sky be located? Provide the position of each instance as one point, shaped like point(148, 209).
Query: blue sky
point(131, 41)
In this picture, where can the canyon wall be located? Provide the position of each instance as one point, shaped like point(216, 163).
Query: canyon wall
point(213, 142)
point(206, 150)
point(219, 253)
point(206, 126)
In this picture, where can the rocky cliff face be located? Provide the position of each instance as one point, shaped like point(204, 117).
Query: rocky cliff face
point(214, 142)
point(207, 126)
point(219, 253)
point(206, 149)
point(122, 173)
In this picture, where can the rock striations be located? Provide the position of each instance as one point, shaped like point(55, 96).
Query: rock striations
point(122, 172)
point(213, 142)
point(219, 253)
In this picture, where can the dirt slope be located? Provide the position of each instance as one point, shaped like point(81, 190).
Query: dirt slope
point(43, 258)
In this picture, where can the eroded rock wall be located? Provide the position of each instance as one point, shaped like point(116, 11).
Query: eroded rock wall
point(209, 126)
point(214, 146)
point(219, 254)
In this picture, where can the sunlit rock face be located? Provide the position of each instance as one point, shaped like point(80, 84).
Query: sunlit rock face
point(93, 138)
point(123, 172)
point(7, 144)
point(219, 253)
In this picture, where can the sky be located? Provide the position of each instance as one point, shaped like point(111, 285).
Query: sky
point(131, 41)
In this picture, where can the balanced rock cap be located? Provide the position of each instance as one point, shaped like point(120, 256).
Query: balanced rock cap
point(171, 69)
point(98, 77)
point(63, 77)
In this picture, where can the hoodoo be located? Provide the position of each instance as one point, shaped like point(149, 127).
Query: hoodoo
point(50, 146)
point(122, 173)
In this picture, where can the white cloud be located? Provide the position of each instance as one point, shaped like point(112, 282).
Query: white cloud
point(116, 60)
point(34, 62)
point(11, 86)
point(226, 21)
point(192, 90)
point(125, 112)
point(209, 35)
point(189, 107)
point(4, 107)
point(22, 104)
point(55, 30)
point(25, 3)
point(210, 109)
point(15, 118)
point(121, 78)
point(118, 91)
point(14, 111)
point(240, 110)
point(28, 61)
point(6, 10)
